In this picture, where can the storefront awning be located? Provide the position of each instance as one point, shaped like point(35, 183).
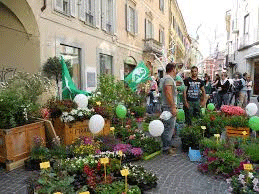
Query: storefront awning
point(252, 55)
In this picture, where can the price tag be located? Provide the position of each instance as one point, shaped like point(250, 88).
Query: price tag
point(58, 193)
point(125, 172)
point(217, 135)
point(248, 166)
point(203, 127)
point(86, 192)
point(44, 165)
point(98, 103)
point(104, 160)
point(244, 133)
point(112, 128)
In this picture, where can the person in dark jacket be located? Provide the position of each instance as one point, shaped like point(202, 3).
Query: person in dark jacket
point(223, 88)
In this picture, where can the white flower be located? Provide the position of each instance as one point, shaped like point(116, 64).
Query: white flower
point(80, 114)
point(255, 181)
point(70, 118)
point(73, 112)
point(250, 175)
point(241, 176)
point(228, 181)
point(65, 114)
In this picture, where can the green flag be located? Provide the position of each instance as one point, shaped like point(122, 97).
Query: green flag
point(139, 75)
point(69, 90)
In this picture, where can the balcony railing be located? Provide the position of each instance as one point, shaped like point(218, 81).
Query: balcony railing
point(151, 45)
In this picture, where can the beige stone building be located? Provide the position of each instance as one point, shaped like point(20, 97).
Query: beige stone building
point(97, 36)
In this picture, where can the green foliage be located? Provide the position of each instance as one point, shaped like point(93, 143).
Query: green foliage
point(50, 182)
point(53, 68)
point(237, 121)
point(190, 137)
point(139, 111)
point(19, 97)
point(39, 151)
point(252, 151)
point(116, 188)
point(212, 144)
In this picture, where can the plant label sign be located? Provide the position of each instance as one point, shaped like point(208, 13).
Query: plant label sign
point(125, 172)
point(44, 165)
point(104, 160)
point(248, 167)
point(203, 127)
point(86, 192)
point(120, 153)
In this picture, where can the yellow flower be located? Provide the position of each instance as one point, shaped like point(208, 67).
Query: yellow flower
point(98, 103)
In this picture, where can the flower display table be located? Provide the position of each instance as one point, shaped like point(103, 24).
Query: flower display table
point(70, 132)
point(232, 131)
point(16, 143)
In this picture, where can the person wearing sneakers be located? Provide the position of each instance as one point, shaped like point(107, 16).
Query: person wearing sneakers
point(169, 101)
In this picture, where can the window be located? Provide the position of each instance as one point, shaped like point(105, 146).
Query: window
point(162, 5)
point(109, 16)
point(105, 64)
point(63, 6)
point(246, 24)
point(131, 19)
point(162, 36)
point(149, 29)
point(72, 54)
point(90, 12)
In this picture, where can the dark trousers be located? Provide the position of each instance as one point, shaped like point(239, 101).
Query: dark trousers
point(248, 96)
point(222, 99)
point(193, 111)
point(236, 94)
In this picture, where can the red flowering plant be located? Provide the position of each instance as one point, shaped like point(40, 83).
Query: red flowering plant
point(232, 110)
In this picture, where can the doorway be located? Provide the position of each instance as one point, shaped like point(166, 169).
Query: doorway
point(256, 78)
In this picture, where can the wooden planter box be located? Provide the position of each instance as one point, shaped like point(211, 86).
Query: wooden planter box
point(70, 132)
point(233, 132)
point(16, 143)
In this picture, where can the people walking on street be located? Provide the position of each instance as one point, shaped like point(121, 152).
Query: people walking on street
point(169, 103)
point(192, 98)
point(214, 89)
point(249, 85)
point(208, 87)
point(243, 92)
point(223, 88)
point(235, 89)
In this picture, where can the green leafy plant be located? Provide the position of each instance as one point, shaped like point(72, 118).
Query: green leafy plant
point(190, 137)
point(39, 151)
point(116, 188)
point(237, 121)
point(252, 151)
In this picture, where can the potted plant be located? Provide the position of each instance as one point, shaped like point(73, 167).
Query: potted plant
point(19, 110)
point(237, 125)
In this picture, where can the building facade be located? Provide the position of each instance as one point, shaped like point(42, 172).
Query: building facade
point(242, 25)
point(101, 36)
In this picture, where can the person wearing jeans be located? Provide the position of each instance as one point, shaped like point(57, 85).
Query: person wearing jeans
point(249, 85)
point(223, 88)
point(169, 102)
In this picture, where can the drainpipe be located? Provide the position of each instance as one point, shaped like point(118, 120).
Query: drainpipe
point(44, 5)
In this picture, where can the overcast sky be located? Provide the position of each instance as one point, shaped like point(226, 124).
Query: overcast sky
point(210, 14)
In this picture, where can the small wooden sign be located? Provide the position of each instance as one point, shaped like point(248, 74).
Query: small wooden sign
point(120, 153)
point(104, 160)
point(58, 193)
point(98, 103)
point(112, 128)
point(217, 135)
point(203, 127)
point(125, 172)
point(44, 165)
point(248, 167)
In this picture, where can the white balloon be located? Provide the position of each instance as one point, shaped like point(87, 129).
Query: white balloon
point(251, 109)
point(96, 124)
point(156, 128)
point(81, 100)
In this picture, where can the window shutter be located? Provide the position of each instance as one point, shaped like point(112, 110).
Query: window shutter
point(114, 17)
point(152, 31)
point(145, 28)
point(73, 8)
point(136, 22)
point(127, 11)
point(87, 7)
point(82, 10)
point(97, 13)
point(59, 5)
point(104, 14)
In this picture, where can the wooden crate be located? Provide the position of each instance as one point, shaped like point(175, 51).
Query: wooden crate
point(233, 132)
point(70, 132)
point(16, 143)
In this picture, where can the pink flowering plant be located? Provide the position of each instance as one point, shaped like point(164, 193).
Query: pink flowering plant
point(245, 182)
point(232, 110)
point(129, 150)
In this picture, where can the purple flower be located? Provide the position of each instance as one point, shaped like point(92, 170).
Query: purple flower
point(239, 152)
point(125, 148)
point(136, 151)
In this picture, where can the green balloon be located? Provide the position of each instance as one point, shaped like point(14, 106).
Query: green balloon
point(254, 123)
point(203, 111)
point(180, 115)
point(211, 106)
point(121, 111)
